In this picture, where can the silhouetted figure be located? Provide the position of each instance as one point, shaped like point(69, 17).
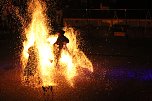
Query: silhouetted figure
point(59, 17)
point(47, 92)
point(46, 89)
point(30, 68)
point(61, 42)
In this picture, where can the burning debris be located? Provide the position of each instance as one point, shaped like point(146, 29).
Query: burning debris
point(43, 59)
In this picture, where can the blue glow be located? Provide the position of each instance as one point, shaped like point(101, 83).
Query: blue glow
point(130, 74)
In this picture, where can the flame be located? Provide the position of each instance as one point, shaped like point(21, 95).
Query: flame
point(72, 57)
point(79, 58)
point(38, 53)
point(37, 36)
point(70, 70)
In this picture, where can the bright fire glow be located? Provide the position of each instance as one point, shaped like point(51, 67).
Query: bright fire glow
point(38, 53)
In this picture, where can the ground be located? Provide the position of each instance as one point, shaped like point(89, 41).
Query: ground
point(122, 72)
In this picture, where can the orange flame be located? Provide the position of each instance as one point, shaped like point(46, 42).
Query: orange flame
point(39, 47)
point(37, 35)
point(72, 57)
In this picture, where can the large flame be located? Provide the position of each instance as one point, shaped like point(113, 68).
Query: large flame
point(72, 57)
point(38, 57)
point(37, 34)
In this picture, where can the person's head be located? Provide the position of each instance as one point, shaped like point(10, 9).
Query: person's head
point(60, 32)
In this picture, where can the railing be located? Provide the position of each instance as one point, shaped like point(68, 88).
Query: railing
point(108, 13)
point(137, 23)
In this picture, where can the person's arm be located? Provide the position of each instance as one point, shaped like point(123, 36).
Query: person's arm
point(57, 42)
point(66, 40)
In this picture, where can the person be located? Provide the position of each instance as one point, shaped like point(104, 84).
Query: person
point(31, 67)
point(61, 43)
point(59, 17)
point(46, 89)
point(48, 93)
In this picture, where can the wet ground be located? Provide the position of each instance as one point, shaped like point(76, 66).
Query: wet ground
point(122, 72)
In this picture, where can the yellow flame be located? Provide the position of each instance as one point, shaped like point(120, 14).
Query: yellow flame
point(37, 37)
point(73, 57)
point(79, 58)
point(70, 70)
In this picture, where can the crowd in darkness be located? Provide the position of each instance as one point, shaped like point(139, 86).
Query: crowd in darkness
point(66, 5)
point(94, 4)
point(58, 8)
point(113, 4)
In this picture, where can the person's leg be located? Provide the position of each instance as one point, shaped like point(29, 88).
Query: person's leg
point(58, 55)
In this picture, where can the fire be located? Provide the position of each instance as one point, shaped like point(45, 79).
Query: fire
point(72, 57)
point(38, 56)
point(37, 35)
point(70, 71)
